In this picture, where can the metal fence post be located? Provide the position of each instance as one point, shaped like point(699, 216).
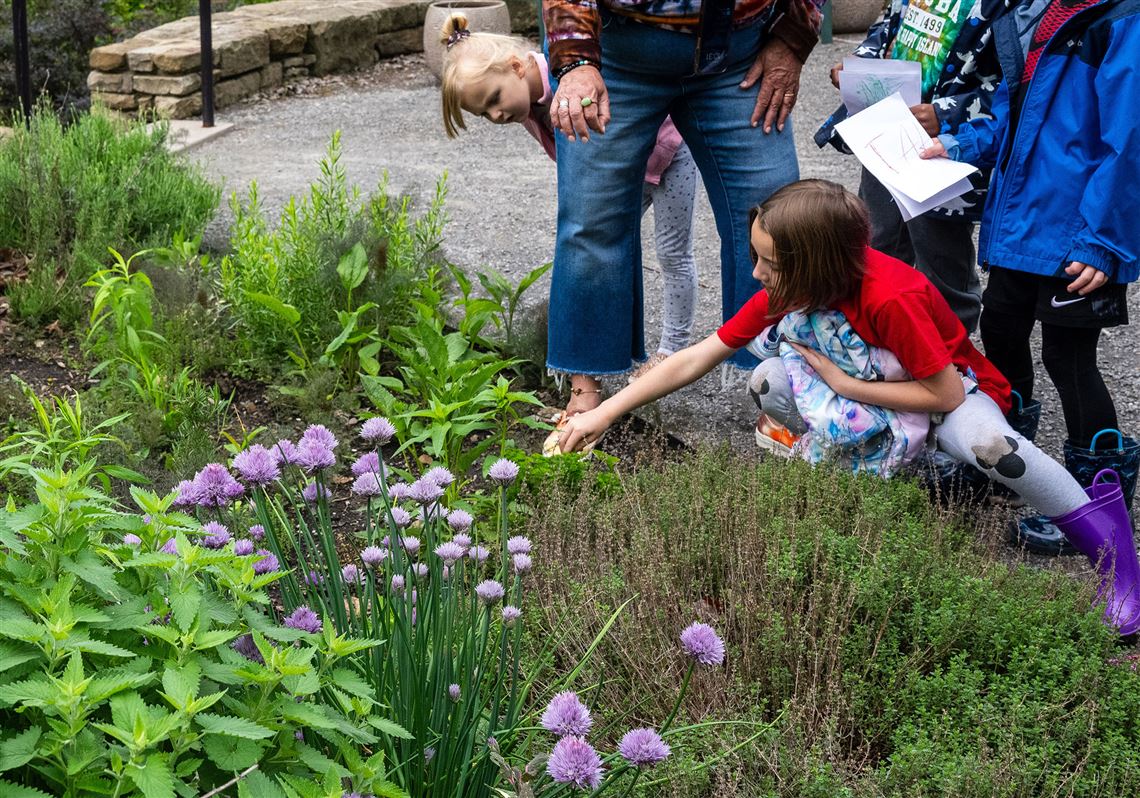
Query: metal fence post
point(206, 37)
point(825, 28)
point(23, 60)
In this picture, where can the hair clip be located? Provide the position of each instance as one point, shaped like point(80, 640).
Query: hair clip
point(456, 36)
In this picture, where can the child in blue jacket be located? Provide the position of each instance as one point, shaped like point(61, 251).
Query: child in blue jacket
point(1060, 231)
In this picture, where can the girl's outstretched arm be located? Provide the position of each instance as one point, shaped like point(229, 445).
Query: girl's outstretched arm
point(676, 371)
point(938, 393)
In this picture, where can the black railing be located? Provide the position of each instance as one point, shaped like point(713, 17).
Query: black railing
point(206, 38)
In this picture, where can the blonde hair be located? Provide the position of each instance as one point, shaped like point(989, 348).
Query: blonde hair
point(470, 56)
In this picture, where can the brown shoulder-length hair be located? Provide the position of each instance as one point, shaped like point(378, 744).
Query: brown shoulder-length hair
point(820, 232)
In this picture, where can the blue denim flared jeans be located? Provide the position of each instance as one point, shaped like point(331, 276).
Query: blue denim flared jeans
point(596, 314)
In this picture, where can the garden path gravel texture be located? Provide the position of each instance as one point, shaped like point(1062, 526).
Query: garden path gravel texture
point(502, 204)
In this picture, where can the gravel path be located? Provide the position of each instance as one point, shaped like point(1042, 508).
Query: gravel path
point(501, 203)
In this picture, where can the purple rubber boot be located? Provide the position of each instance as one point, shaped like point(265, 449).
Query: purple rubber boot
point(1102, 531)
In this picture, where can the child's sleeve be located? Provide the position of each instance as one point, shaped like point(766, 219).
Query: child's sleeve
point(957, 108)
point(978, 141)
point(1107, 235)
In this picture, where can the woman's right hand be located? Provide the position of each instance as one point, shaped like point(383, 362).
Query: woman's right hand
point(566, 111)
point(583, 429)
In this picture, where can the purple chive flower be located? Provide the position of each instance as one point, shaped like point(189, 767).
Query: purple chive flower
point(267, 563)
point(522, 563)
point(643, 748)
point(399, 491)
point(187, 494)
point(217, 536)
point(169, 547)
point(256, 465)
point(566, 714)
point(350, 574)
point(368, 464)
point(459, 520)
point(489, 591)
point(424, 491)
point(215, 486)
point(440, 476)
point(313, 490)
point(397, 584)
point(299, 735)
point(257, 531)
point(511, 614)
point(131, 539)
point(311, 456)
point(574, 761)
point(284, 452)
point(703, 644)
point(245, 646)
point(315, 578)
point(445, 574)
point(320, 435)
point(411, 544)
point(243, 548)
point(462, 539)
point(503, 471)
point(379, 430)
point(373, 556)
point(518, 545)
point(454, 693)
point(367, 484)
point(449, 552)
point(478, 553)
point(421, 569)
point(401, 518)
point(304, 619)
point(429, 754)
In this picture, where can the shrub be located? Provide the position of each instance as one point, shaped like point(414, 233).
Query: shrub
point(72, 193)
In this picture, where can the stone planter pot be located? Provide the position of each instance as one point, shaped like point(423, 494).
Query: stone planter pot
point(854, 16)
point(484, 16)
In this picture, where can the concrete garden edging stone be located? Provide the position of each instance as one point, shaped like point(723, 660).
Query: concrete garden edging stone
point(259, 47)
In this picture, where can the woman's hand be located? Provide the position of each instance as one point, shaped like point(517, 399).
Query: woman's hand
point(566, 111)
point(1089, 278)
point(778, 71)
point(582, 429)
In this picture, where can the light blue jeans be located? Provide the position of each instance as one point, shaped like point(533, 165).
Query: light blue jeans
point(596, 316)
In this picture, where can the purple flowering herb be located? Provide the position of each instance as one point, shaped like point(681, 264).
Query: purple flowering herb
point(312, 456)
point(459, 520)
point(440, 476)
point(350, 574)
point(187, 494)
point(511, 614)
point(462, 539)
point(643, 748)
point(567, 715)
point(379, 430)
point(169, 547)
point(257, 531)
point(454, 693)
point(299, 735)
point(489, 591)
point(218, 540)
point(574, 761)
point(518, 545)
point(449, 552)
point(411, 544)
point(266, 563)
point(256, 465)
point(522, 563)
point(245, 646)
point(424, 491)
point(420, 569)
point(131, 539)
point(315, 578)
point(304, 619)
point(385, 542)
point(373, 556)
point(367, 484)
point(315, 490)
point(397, 584)
point(429, 754)
point(401, 518)
point(399, 491)
point(503, 471)
point(243, 548)
point(703, 644)
point(320, 435)
point(284, 452)
point(445, 574)
point(478, 554)
point(215, 486)
point(367, 464)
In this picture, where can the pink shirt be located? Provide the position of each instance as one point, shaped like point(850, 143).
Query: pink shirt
point(538, 125)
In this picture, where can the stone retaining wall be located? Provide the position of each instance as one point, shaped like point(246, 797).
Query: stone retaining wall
point(257, 47)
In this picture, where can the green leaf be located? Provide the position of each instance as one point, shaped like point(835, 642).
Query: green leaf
point(353, 267)
point(10, 790)
point(97, 647)
point(351, 682)
point(230, 754)
point(231, 726)
point(154, 779)
point(386, 789)
point(18, 751)
point(258, 785)
point(287, 312)
point(88, 567)
point(184, 604)
point(213, 638)
point(12, 655)
point(390, 727)
point(319, 763)
point(307, 715)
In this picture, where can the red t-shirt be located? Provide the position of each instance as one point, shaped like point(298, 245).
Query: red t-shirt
point(899, 310)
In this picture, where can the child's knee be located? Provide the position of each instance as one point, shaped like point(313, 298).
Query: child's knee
point(1002, 451)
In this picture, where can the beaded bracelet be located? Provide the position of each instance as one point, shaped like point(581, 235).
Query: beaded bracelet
point(573, 65)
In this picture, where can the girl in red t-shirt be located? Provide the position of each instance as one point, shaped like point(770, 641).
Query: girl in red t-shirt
point(810, 249)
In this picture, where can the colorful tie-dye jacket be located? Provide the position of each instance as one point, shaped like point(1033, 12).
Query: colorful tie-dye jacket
point(964, 91)
point(573, 27)
point(858, 436)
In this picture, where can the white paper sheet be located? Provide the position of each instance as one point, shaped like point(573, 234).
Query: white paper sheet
point(887, 139)
point(865, 81)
